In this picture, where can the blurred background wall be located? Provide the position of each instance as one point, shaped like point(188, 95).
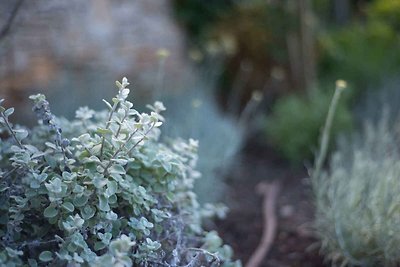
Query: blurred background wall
point(75, 50)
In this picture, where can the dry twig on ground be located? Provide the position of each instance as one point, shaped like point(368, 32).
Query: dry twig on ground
point(270, 192)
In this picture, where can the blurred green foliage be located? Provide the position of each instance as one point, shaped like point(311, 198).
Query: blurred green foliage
point(194, 114)
point(197, 15)
point(387, 11)
point(294, 126)
point(365, 51)
point(360, 54)
point(258, 29)
point(258, 34)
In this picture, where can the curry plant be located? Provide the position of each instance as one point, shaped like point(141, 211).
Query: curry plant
point(357, 198)
point(101, 190)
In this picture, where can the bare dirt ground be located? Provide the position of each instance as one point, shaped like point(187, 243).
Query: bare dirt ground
point(295, 243)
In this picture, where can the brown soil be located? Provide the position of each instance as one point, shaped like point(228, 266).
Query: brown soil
point(295, 243)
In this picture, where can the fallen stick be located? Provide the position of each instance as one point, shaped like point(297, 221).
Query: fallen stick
point(270, 193)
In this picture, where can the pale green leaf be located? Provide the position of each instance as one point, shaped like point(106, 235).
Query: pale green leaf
point(68, 206)
point(8, 112)
point(46, 256)
point(50, 212)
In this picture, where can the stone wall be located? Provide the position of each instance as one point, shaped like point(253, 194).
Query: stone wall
point(77, 48)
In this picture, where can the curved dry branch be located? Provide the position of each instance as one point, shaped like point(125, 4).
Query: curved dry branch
point(270, 193)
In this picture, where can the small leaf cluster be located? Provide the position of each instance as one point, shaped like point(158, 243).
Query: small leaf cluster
point(101, 190)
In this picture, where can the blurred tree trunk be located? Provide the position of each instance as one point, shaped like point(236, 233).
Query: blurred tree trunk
point(341, 11)
point(300, 45)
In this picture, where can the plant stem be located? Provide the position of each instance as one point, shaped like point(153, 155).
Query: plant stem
point(326, 132)
point(107, 126)
point(203, 251)
point(7, 123)
point(10, 172)
point(120, 126)
point(118, 151)
point(129, 151)
point(145, 134)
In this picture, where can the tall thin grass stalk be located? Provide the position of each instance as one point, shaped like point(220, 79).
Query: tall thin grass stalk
point(340, 86)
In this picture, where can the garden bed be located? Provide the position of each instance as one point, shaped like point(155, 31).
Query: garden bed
point(295, 243)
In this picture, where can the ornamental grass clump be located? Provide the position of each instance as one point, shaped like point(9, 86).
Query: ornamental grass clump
point(100, 190)
point(358, 199)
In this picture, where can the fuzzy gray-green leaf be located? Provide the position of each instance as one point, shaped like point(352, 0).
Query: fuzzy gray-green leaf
point(46, 256)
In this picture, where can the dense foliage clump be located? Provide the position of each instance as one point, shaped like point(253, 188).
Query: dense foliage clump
point(357, 200)
point(295, 124)
point(101, 190)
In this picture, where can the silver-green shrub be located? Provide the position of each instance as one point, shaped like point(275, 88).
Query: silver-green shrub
point(193, 113)
point(101, 190)
point(358, 199)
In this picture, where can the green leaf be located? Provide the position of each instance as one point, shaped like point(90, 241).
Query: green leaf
point(112, 188)
point(37, 97)
point(68, 176)
point(78, 240)
point(118, 169)
point(108, 104)
point(135, 165)
point(99, 181)
point(78, 258)
point(99, 246)
point(8, 112)
point(103, 203)
point(50, 212)
point(87, 212)
point(117, 177)
point(84, 138)
point(40, 177)
point(37, 180)
point(103, 131)
point(46, 256)
point(118, 84)
point(112, 199)
point(34, 184)
point(80, 201)
point(105, 238)
point(51, 145)
point(121, 245)
point(13, 253)
point(112, 216)
point(51, 161)
point(125, 260)
point(152, 245)
point(166, 165)
point(78, 189)
point(32, 263)
point(77, 221)
point(68, 206)
point(3, 187)
point(21, 134)
point(120, 161)
point(54, 185)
